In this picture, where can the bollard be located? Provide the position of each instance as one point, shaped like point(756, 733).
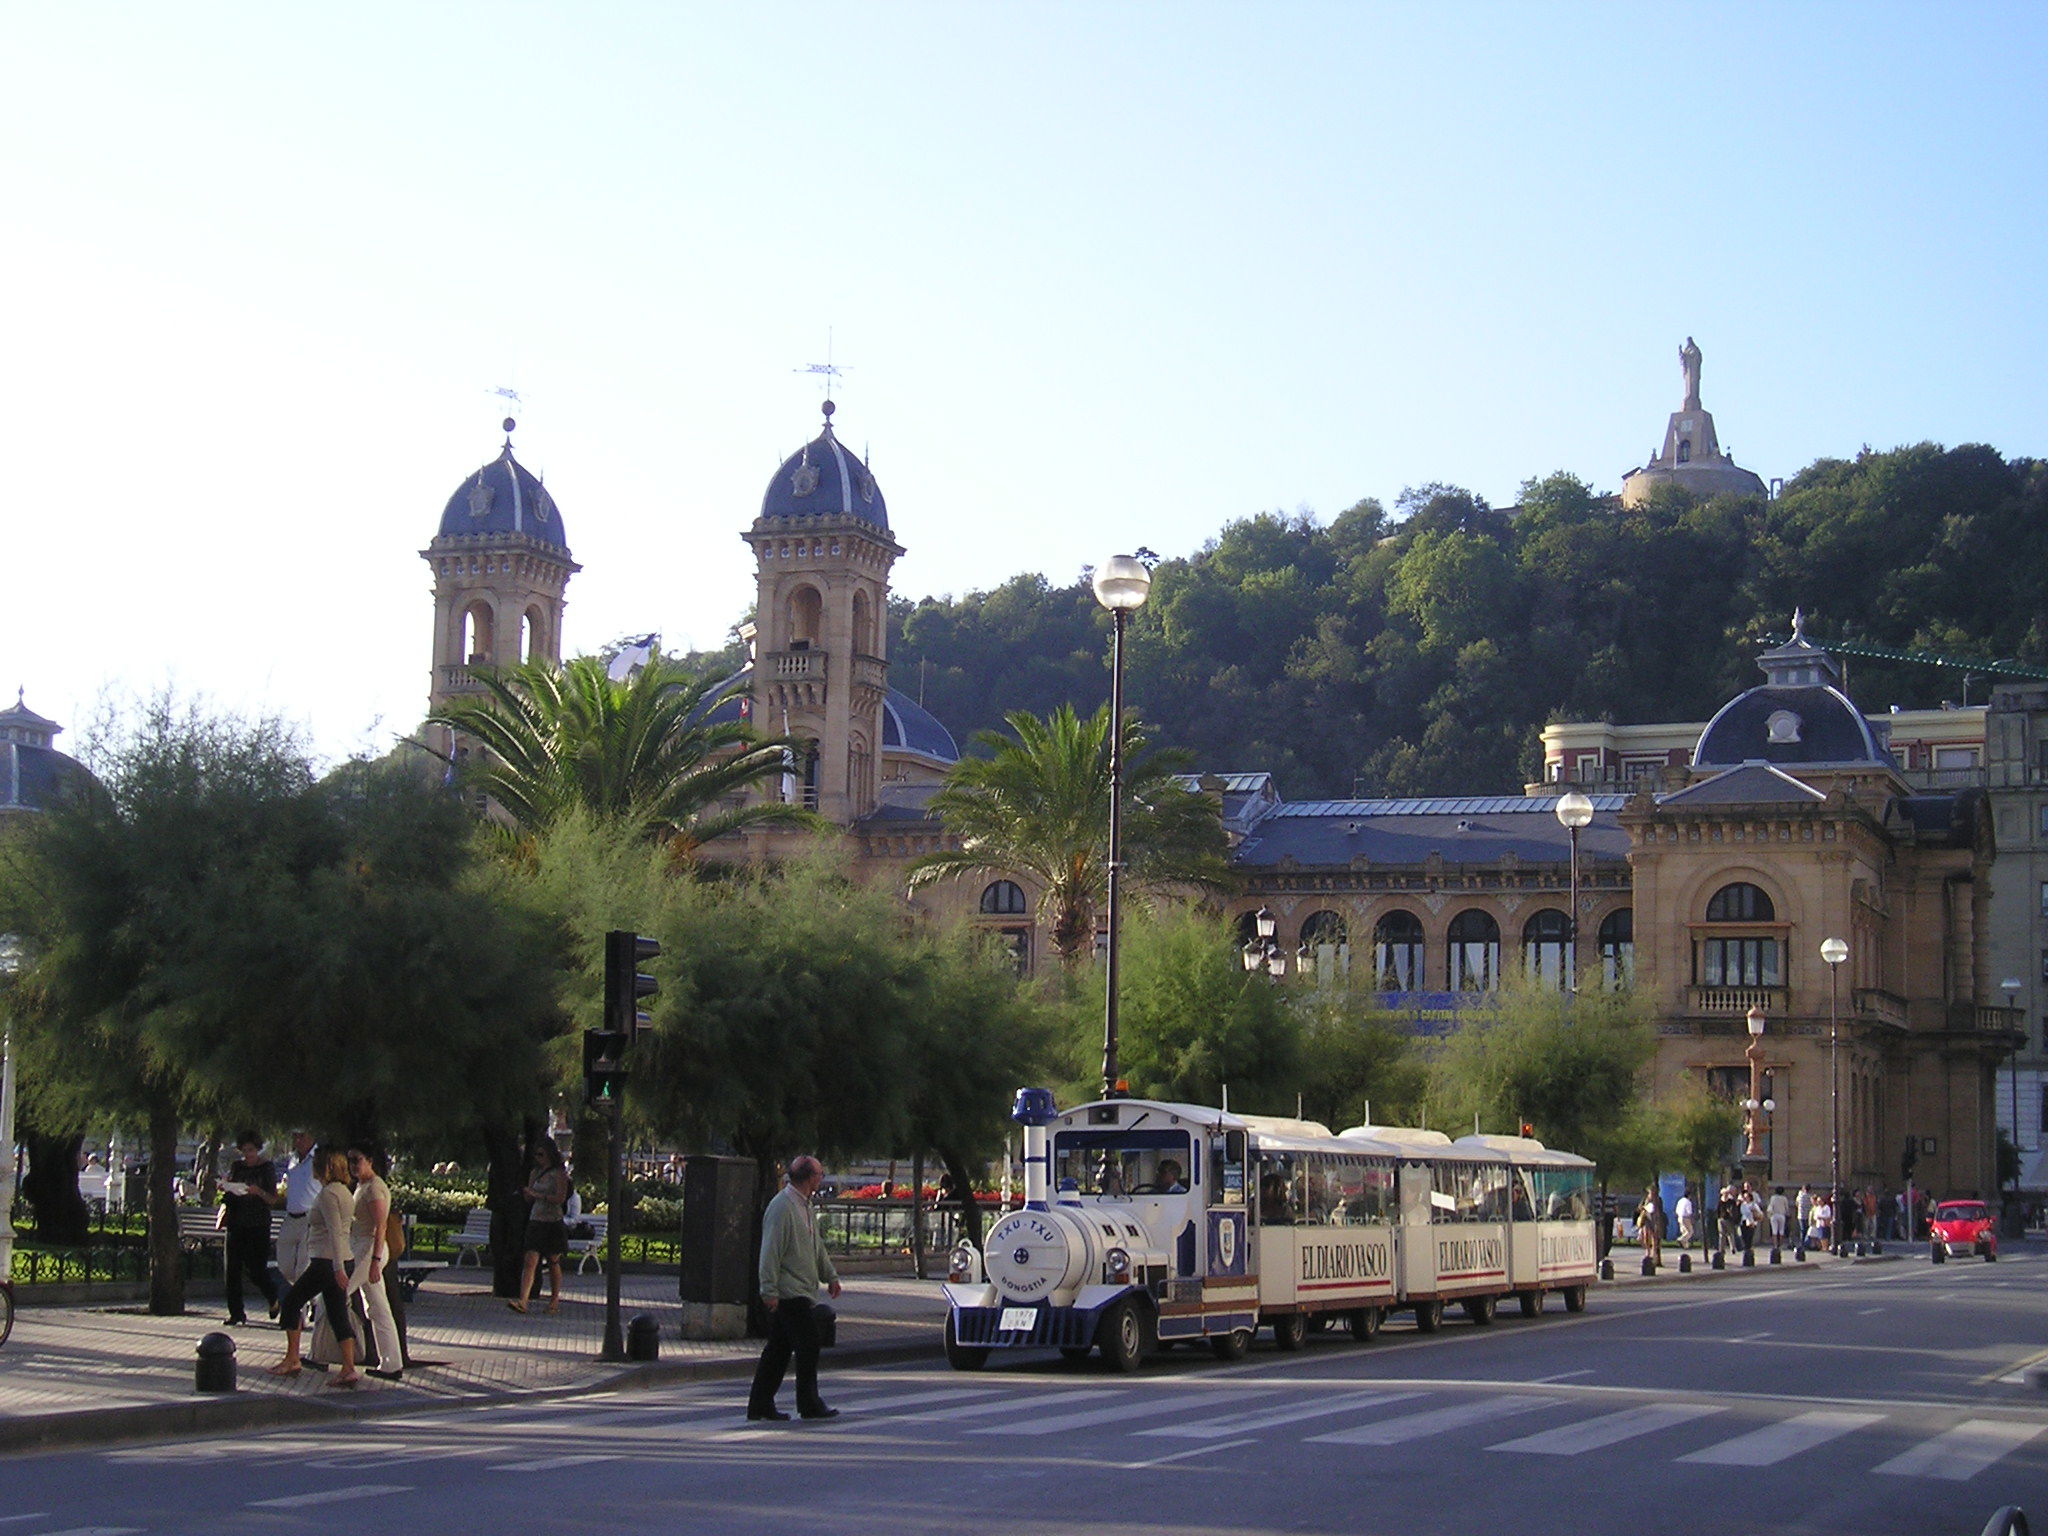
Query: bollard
point(1607, 1269)
point(643, 1338)
point(1799, 1255)
point(1717, 1260)
point(1749, 1258)
point(1685, 1263)
point(1777, 1257)
point(215, 1371)
point(1649, 1266)
point(1876, 1247)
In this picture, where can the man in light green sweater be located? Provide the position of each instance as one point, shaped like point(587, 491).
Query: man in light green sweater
point(794, 1264)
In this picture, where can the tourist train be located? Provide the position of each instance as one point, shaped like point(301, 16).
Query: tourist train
point(1147, 1223)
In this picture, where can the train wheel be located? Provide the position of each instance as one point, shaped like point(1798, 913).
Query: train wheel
point(1480, 1309)
point(1122, 1336)
point(1532, 1302)
point(1233, 1345)
point(1575, 1298)
point(1290, 1330)
point(1429, 1316)
point(963, 1357)
point(1365, 1322)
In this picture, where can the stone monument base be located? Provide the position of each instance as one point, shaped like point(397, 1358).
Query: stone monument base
point(714, 1320)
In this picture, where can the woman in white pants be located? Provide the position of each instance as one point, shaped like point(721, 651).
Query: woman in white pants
point(366, 1244)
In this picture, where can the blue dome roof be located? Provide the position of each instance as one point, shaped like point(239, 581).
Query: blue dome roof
point(1788, 726)
point(909, 725)
point(823, 480)
point(504, 497)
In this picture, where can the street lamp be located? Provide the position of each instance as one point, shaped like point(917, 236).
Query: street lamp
point(1834, 952)
point(1574, 811)
point(2011, 987)
point(10, 964)
point(1120, 586)
point(1263, 951)
point(1756, 1106)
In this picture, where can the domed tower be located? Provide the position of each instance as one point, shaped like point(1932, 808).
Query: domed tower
point(501, 564)
point(822, 553)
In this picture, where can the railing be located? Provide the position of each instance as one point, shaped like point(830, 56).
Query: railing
point(1885, 1007)
point(458, 678)
point(870, 672)
point(1995, 1020)
point(1735, 1000)
point(798, 664)
point(108, 1265)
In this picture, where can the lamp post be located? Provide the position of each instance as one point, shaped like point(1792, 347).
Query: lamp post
point(1574, 811)
point(1834, 952)
point(1120, 586)
point(1263, 951)
point(10, 963)
point(2011, 987)
point(1756, 1106)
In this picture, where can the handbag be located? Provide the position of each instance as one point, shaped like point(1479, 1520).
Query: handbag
point(824, 1324)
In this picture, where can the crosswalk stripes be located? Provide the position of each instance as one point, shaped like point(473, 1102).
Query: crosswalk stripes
point(1271, 1418)
point(1960, 1453)
point(1021, 1406)
point(1778, 1442)
point(1030, 1424)
point(1434, 1421)
point(1608, 1429)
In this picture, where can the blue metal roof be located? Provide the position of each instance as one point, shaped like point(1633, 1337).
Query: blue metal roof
point(1470, 805)
point(1471, 831)
point(822, 479)
point(504, 497)
point(1791, 726)
point(907, 724)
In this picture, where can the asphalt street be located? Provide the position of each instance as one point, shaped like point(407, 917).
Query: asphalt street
point(1883, 1398)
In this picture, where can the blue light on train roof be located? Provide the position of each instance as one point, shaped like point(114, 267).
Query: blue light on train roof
point(1035, 1106)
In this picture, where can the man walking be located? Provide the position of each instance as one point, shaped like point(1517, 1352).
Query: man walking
point(1688, 1218)
point(1779, 1209)
point(301, 1188)
point(793, 1265)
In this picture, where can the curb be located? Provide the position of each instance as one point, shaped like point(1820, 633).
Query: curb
point(214, 1414)
point(1670, 1275)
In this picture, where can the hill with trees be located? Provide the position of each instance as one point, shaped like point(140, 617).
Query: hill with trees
point(1421, 651)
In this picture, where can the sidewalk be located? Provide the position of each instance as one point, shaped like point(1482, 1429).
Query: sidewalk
point(78, 1375)
point(84, 1374)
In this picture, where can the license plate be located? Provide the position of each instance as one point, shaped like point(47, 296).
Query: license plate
point(1018, 1319)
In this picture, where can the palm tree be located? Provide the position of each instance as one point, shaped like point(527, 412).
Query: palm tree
point(1038, 805)
point(646, 752)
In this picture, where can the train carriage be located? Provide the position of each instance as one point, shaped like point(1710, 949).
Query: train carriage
point(1149, 1222)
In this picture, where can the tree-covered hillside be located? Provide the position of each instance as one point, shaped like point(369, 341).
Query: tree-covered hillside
point(1421, 652)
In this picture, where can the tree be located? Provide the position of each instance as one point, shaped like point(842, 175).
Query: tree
point(1358, 1065)
point(657, 752)
point(216, 937)
point(1571, 1066)
point(1038, 805)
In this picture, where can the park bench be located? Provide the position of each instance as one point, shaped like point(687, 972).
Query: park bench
point(591, 1247)
point(474, 1237)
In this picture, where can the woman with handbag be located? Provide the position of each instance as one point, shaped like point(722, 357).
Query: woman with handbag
point(546, 1236)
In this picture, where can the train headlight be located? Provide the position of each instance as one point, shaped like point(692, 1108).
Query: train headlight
point(960, 1268)
point(1118, 1265)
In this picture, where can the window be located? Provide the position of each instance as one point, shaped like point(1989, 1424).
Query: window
point(1547, 948)
point(1120, 1162)
point(1740, 904)
point(2044, 898)
point(1474, 960)
point(1739, 963)
point(1325, 947)
point(2044, 814)
point(1004, 897)
point(1397, 952)
point(1618, 949)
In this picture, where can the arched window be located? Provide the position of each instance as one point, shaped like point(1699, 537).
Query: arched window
point(1325, 946)
point(479, 646)
point(1684, 450)
point(1740, 903)
point(806, 618)
point(1474, 959)
point(1547, 949)
point(533, 645)
point(1618, 949)
point(863, 626)
point(1738, 959)
point(1397, 952)
point(1002, 898)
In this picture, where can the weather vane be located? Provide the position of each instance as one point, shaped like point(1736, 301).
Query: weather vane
point(826, 371)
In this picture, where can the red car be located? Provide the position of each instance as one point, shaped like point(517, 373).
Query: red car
point(1963, 1228)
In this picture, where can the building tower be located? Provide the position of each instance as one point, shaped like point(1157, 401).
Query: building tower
point(501, 564)
point(822, 553)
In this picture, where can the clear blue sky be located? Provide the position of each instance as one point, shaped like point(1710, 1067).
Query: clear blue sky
point(1100, 276)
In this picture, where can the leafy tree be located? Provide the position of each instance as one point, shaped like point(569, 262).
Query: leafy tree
point(654, 752)
point(1038, 805)
point(1358, 1065)
point(1702, 1127)
point(1192, 1021)
point(218, 937)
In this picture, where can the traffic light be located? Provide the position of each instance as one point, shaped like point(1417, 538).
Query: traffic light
point(604, 1067)
point(625, 983)
point(1909, 1157)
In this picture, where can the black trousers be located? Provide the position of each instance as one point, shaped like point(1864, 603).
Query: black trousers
point(792, 1330)
point(322, 1280)
point(248, 1253)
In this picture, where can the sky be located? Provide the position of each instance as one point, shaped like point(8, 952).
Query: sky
point(1097, 275)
